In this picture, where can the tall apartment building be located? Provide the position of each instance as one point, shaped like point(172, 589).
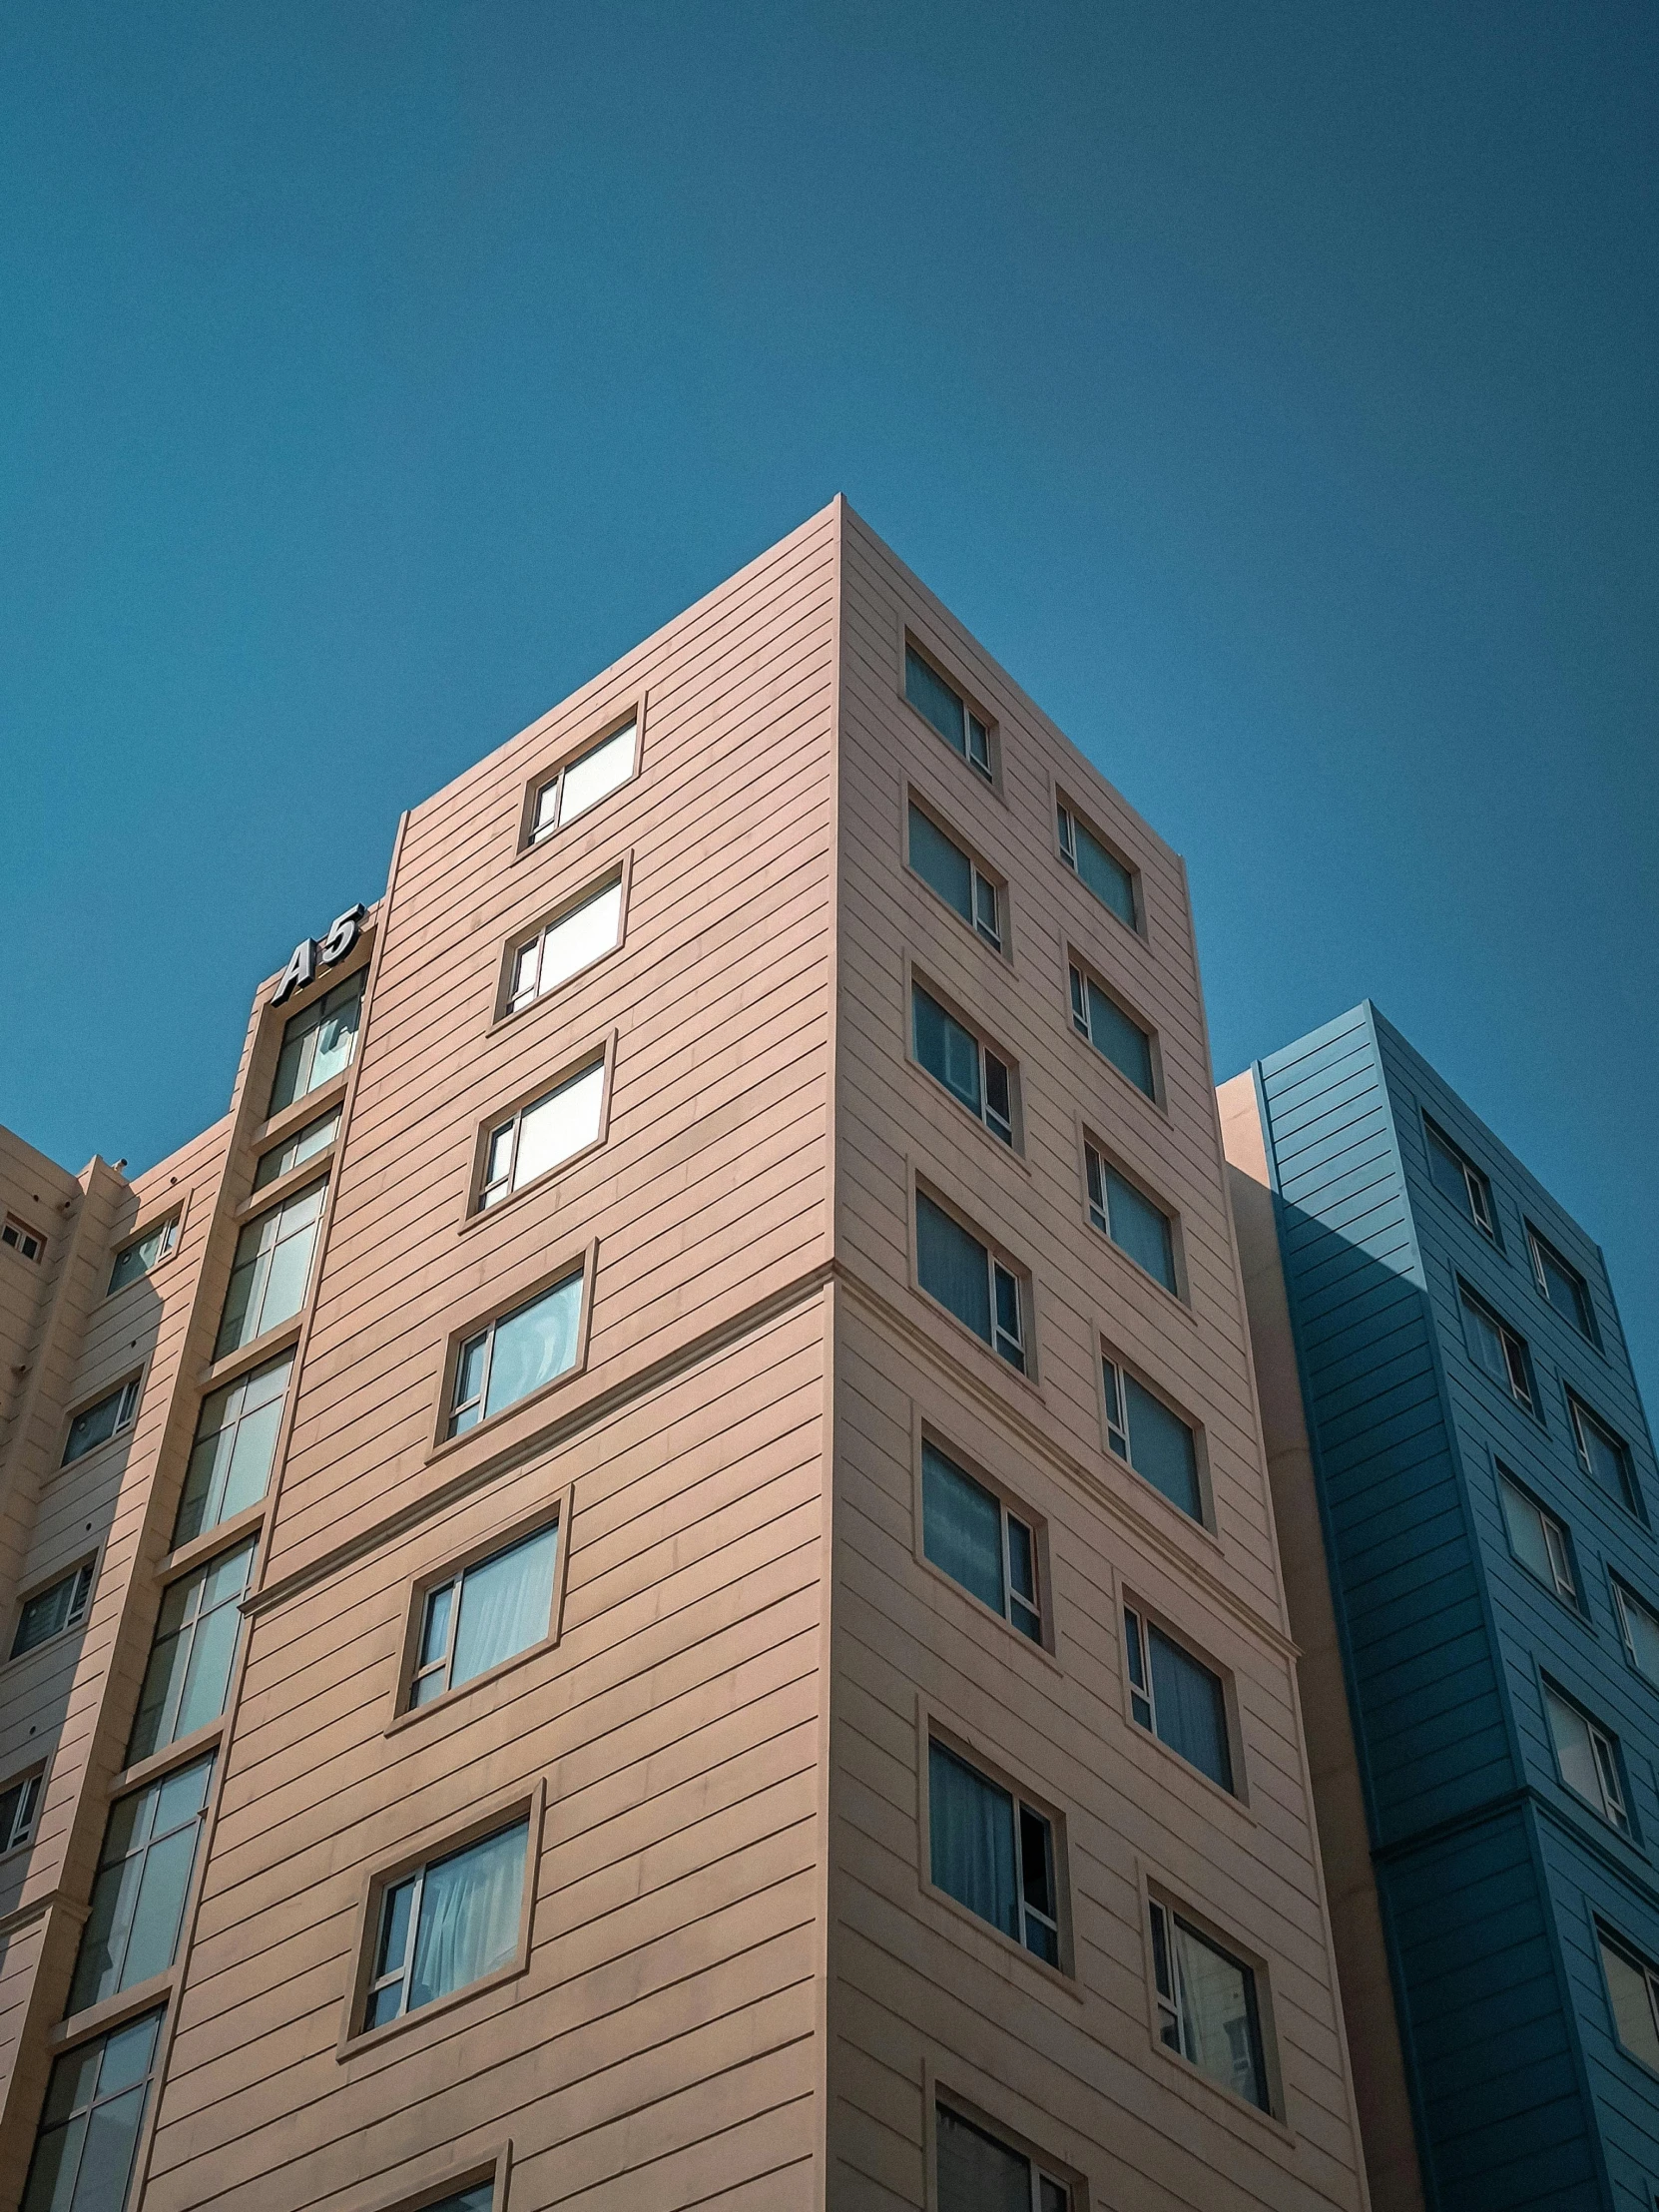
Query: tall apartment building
point(1465, 1486)
point(648, 1580)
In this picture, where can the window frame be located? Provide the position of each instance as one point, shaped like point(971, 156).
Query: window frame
point(1481, 1210)
point(1537, 1244)
point(451, 1569)
point(1108, 1355)
point(1014, 1142)
point(1607, 1939)
point(1097, 1158)
point(15, 1233)
point(1082, 973)
point(1581, 1410)
point(172, 1220)
point(322, 1182)
point(66, 2055)
point(980, 875)
point(198, 1571)
point(220, 1477)
point(929, 1437)
point(558, 764)
point(972, 2114)
point(1615, 1811)
point(1001, 1266)
point(323, 1153)
point(30, 1782)
point(1528, 1397)
point(974, 711)
point(1064, 811)
point(1624, 1593)
point(295, 1009)
point(79, 1613)
point(934, 1727)
point(1572, 1597)
point(129, 1392)
point(492, 2169)
point(618, 873)
point(600, 1050)
point(1161, 1897)
point(157, 1775)
point(441, 1840)
point(458, 1334)
point(1149, 1618)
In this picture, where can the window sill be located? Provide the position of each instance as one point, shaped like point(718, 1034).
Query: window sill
point(981, 1611)
point(289, 1119)
point(252, 1354)
point(412, 1714)
point(977, 776)
point(1231, 2100)
point(933, 1088)
point(498, 1424)
point(543, 1182)
point(1002, 952)
point(1055, 1975)
point(1096, 1060)
point(181, 1752)
point(224, 1536)
point(961, 1329)
point(121, 1436)
point(1138, 1273)
point(366, 2039)
point(1239, 1803)
point(559, 990)
point(150, 1274)
point(107, 2013)
point(1144, 1487)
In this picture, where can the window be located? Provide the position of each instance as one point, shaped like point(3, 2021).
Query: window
point(1101, 871)
point(1639, 1626)
point(1631, 1984)
point(1537, 1539)
point(943, 706)
point(571, 942)
point(979, 2173)
point(969, 1280)
point(96, 1424)
point(479, 2198)
point(19, 1803)
point(236, 1440)
point(584, 781)
point(272, 1269)
point(1207, 2008)
point(1588, 1758)
point(89, 2130)
point(973, 1537)
point(22, 1239)
point(1114, 1035)
point(1604, 1456)
point(305, 1144)
point(1177, 1698)
point(484, 1614)
point(969, 1070)
point(143, 1253)
point(1143, 1431)
point(144, 1870)
point(550, 1130)
point(195, 1648)
point(1134, 1224)
point(1455, 1176)
point(993, 1853)
point(318, 1043)
point(516, 1355)
point(449, 1923)
point(50, 1611)
point(1494, 1347)
point(961, 882)
point(1560, 1281)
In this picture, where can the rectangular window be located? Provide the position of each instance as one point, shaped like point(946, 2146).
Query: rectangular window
point(195, 1648)
point(1101, 871)
point(450, 1922)
point(1139, 1229)
point(1639, 1626)
point(484, 1615)
point(50, 1611)
point(1143, 1433)
point(972, 1536)
point(19, 1801)
point(958, 879)
point(20, 1238)
point(584, 781)
point(479, 2198)
point(969, 1280)
point(979, 2173)
point(144, 1870)
point(1561, 1282)
point(1604, 1456)
point(572, 941)
point(317, 1044)
point(1494, 1347)
point(942, 705)
point(993, 1853)
point(271, 1270)
point(516, 1355)
point(89, 2130)
point(544, 1134)
point(96, 1424)
point(1177, 1698)
point(1537, 1539)
point(303, 1145)
point(1588, 1758)
point(236, 1440)
point(143, 1253)
point(1457, 1177)
point(1634, 1986)
point(1207, 2008)
point(968, 1069)
point(1114, 1035)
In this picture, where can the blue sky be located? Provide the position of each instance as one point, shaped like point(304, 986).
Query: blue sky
point(1274, 390)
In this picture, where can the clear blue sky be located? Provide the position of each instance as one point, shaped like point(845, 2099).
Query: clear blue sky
point(1274, 390)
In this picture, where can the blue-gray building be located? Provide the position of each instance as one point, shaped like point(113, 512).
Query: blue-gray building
point(1489, 1499)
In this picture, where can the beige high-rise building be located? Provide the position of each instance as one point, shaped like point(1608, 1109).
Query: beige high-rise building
point(647, 1580)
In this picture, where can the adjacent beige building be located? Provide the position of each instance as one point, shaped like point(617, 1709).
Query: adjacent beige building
point(655, 1586)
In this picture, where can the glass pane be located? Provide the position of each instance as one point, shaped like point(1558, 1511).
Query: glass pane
point(962, 1527)
point(469, 1915)
point(52, 2169)
point(96, 1425)
point(160, 1906)
point(559, 1124)
point(1191, 1708)
point(580, 939)
point(1111, 883)
point(1139, 1227)
point(534, 1345)
point(954, 1267)
point(1122, 1041)
point(1161, 1447)
point(434, 1639)
point(282, 1292)
point(506, 1603)
point(975, 2172)
point(933, 697)
point(1022, 1564)
point(1526, 1532)
point(140, 1258)
point(1642, 1627)
point(1218, 2015)
point(597, 773)
point(336, 1036)
point(477, 2199)
point(1445, 1169)
point(547, 810)
point(1627, 1986)
point(107, 2159)
point(946, 1050)
point(944, 866)
point(469, 1369)
point(395, 1908)
point(1574, 1747)
point(972, 1840)
point(1605, 1454)
point(44, 1616)
point(208, 1677)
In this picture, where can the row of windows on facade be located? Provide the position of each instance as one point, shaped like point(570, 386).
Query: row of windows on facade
point(1469, 1189)
point(1504, 1355)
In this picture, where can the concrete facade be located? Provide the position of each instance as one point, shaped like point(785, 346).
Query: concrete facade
point(740, 1971)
